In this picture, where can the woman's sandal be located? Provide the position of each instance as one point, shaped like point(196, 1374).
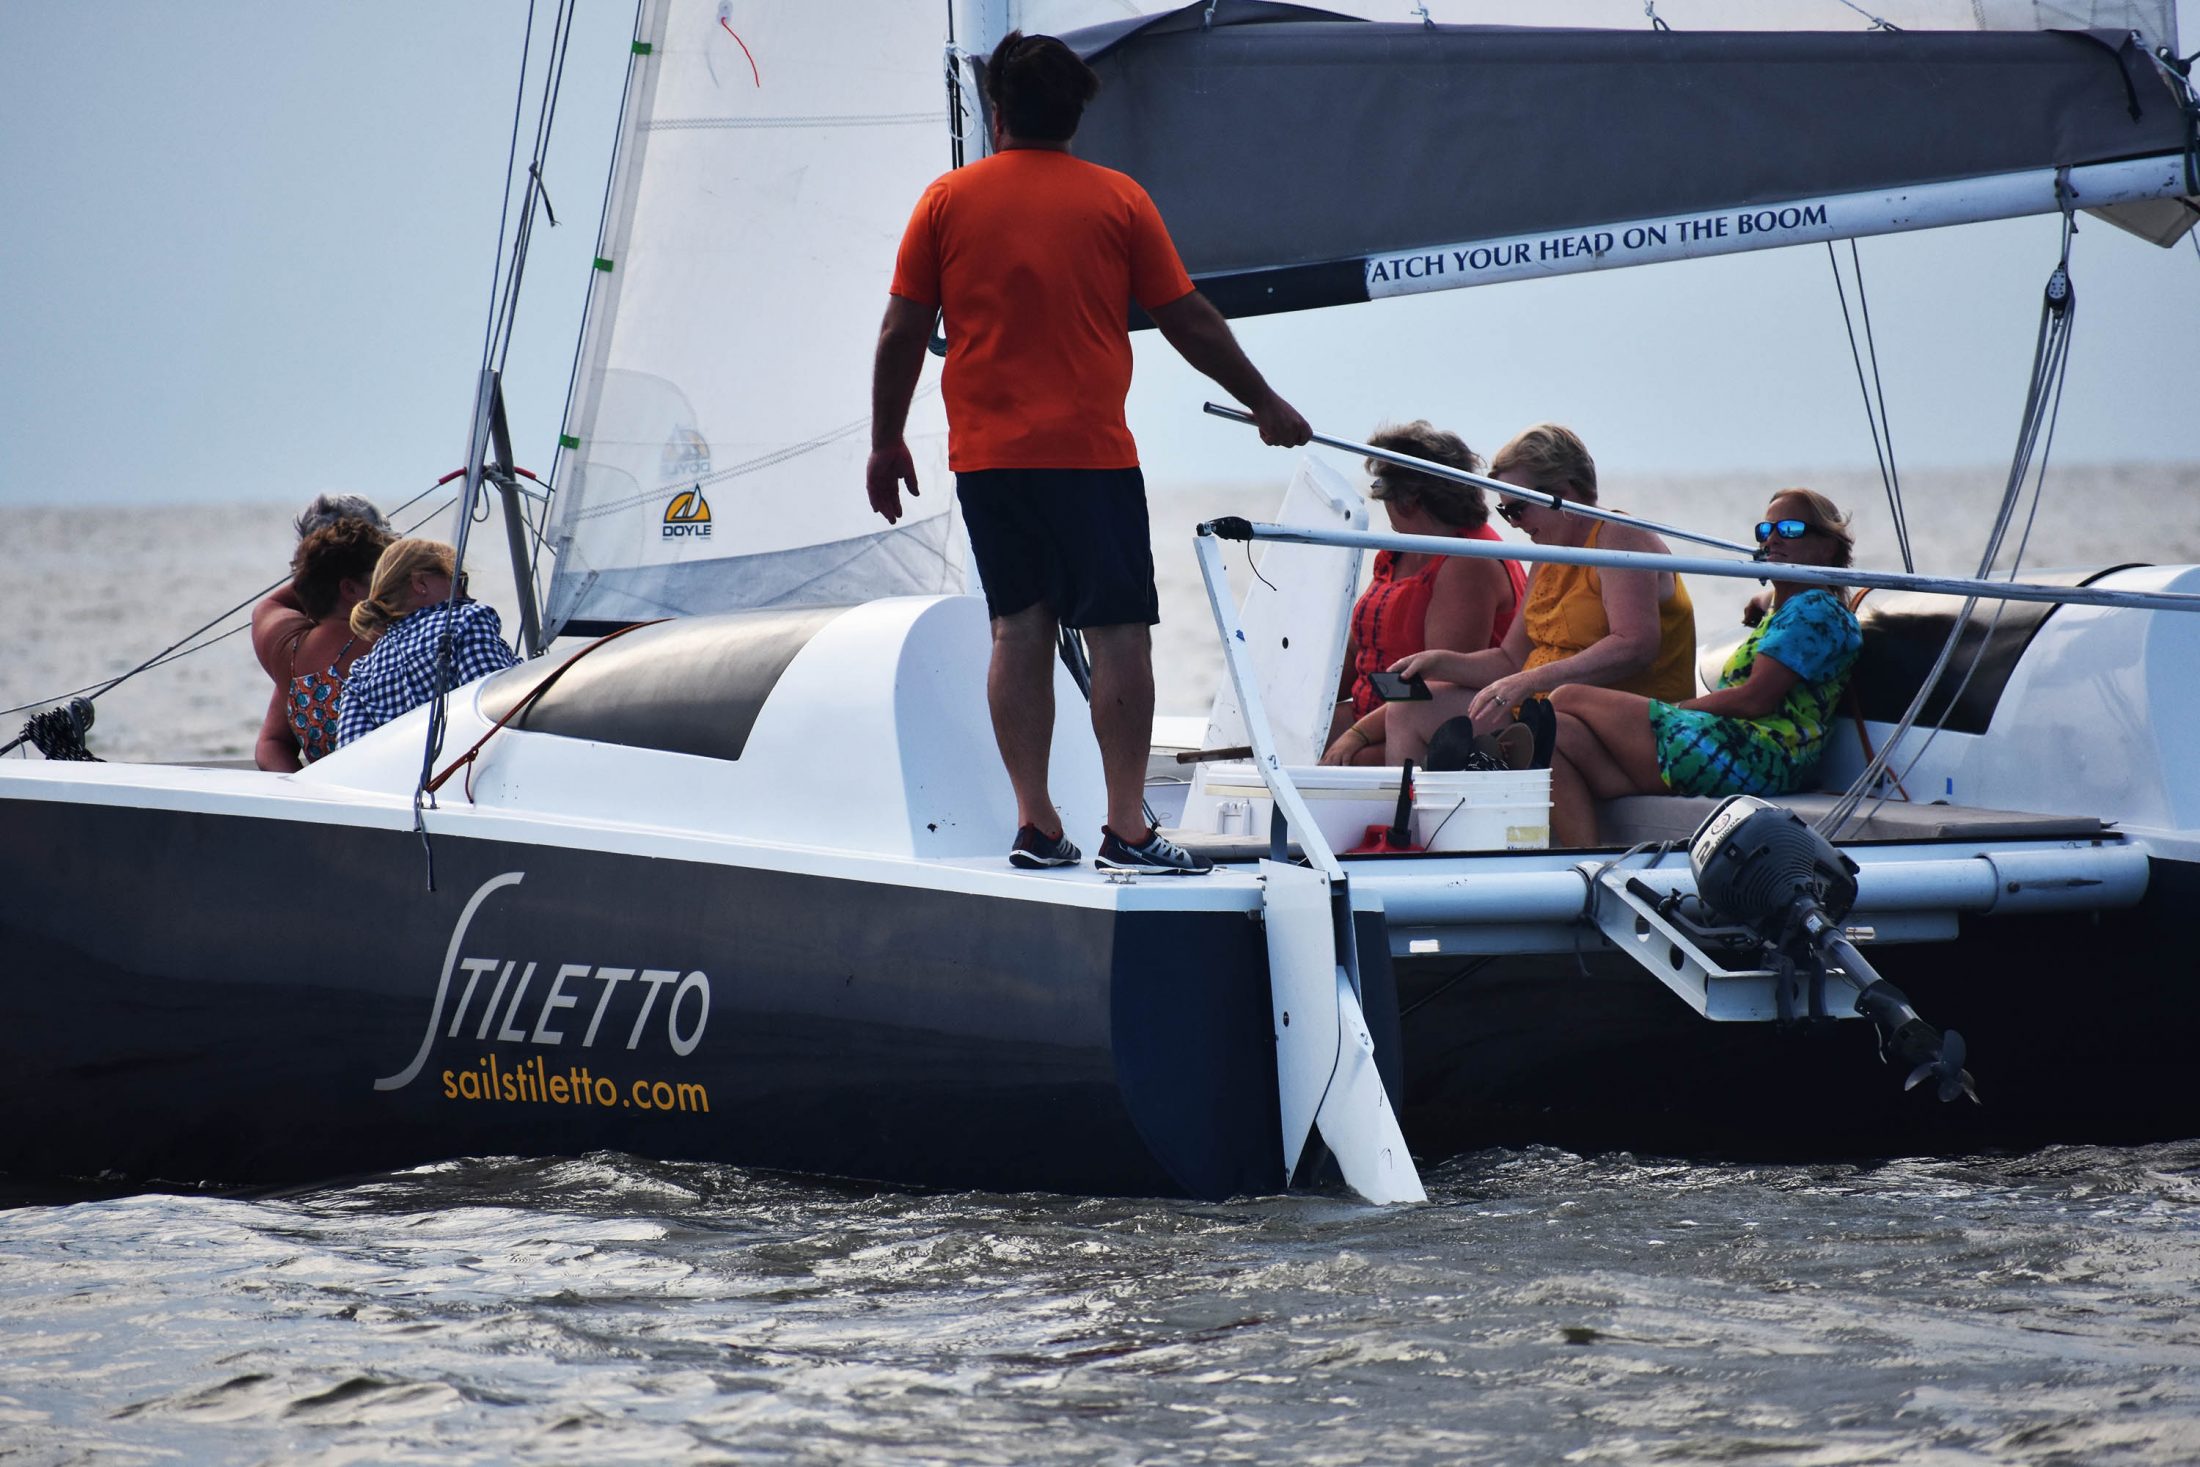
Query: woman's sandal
point(1541, 720)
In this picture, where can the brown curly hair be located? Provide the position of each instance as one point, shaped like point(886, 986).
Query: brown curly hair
point(1454, 503)
point(343, 550)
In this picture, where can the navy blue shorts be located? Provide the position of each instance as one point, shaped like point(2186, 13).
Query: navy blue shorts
point(1073, 540)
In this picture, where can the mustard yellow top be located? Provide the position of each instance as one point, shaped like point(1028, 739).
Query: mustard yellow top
point(1564, 615)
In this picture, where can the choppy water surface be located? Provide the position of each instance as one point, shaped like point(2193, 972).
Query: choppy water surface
point(1543, 1308)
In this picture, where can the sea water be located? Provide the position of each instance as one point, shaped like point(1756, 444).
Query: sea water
point(1542, 1307)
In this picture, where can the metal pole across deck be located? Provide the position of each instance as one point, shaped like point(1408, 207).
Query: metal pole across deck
point(1696, 565)
point(1494, 486)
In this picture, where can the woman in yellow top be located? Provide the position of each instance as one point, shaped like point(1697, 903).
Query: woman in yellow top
point(1629, 629)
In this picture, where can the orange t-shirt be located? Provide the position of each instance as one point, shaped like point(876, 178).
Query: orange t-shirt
point(1034, 258)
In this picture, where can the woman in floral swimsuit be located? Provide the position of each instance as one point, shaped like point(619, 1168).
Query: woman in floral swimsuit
point(1760, 732)
point(306, 643)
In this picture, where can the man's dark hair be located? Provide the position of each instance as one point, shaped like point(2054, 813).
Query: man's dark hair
point(1039, 87)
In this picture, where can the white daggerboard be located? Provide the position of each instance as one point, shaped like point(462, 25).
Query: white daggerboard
point(1325, 1056)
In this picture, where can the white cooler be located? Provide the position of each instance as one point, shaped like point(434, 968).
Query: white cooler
point(1500, 810)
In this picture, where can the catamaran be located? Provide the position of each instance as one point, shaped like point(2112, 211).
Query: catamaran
point(718, 875)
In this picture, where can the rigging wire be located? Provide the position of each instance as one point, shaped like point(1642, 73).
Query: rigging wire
point(506, 278)
point(954, 94)
point(184, 646)
point(635, 57)
point(1882, 432)
point(2036, 431)
point(1878, 23)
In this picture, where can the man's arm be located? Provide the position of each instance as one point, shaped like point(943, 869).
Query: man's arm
point(894, 372)
point(1196, 329)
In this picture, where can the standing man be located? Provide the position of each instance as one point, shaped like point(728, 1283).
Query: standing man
point(1034, 258)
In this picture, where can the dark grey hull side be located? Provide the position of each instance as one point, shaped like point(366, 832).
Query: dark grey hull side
point(201, 998)
point(2081, 1028)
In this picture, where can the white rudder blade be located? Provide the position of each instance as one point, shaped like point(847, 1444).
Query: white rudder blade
point(1325, 1057)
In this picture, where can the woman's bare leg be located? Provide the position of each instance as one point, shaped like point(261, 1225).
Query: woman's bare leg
point(1604, 750)
point(1573, 809)
point(1408, 726)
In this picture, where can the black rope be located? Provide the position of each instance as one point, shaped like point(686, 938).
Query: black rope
point(59, 733)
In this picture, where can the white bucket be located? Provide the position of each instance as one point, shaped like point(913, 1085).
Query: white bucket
point(1343, 799)
point(1497, 810)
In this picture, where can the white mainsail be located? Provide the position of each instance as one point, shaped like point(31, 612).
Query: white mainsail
point(715, 444)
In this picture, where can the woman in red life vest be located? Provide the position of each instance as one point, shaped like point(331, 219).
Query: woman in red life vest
point(1419, 601)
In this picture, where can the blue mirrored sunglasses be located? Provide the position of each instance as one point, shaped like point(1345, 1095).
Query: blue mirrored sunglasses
point(1785, 529)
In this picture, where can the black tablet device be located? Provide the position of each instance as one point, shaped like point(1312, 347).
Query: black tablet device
point(1394, 687)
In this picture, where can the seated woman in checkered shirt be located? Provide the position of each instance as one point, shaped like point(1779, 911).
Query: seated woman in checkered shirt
point(409, 602)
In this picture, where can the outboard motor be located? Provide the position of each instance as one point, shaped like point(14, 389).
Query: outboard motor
point(1759, 866)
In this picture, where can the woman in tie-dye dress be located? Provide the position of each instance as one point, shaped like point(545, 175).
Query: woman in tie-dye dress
point(1760, 732)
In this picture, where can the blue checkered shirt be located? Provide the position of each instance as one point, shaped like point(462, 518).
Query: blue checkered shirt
point(397, 674)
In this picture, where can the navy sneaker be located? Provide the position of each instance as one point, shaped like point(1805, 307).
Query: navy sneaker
point(1036, 852)
point(1158, 856)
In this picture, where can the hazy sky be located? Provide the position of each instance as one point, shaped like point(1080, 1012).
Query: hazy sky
point(248, 252)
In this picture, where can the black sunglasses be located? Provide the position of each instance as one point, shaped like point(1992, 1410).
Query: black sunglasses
point(1510, 510)
point(1785, 529)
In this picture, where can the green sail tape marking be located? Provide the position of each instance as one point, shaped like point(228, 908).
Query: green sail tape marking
point(603, 264)
point(643, 48)
point(567, 440)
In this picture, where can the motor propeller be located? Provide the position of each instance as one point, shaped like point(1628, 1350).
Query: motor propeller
point(1761, 867)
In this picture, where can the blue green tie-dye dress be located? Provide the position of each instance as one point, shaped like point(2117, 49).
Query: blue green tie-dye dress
point(1815, 637)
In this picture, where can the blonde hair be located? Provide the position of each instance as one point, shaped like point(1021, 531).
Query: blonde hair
point(388, 591)
point(1548, 451)
point(1823, 515)
point(1448, 500)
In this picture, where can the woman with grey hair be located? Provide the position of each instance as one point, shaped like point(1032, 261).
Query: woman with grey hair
point(327, 509)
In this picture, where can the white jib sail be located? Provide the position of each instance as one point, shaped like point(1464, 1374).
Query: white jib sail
point(769, 157)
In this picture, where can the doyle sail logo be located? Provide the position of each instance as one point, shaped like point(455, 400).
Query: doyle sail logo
point(688, 515)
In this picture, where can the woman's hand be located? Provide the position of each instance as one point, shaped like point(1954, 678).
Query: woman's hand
point(1492, 702)
point(1435, 664)
point(1345, 745)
